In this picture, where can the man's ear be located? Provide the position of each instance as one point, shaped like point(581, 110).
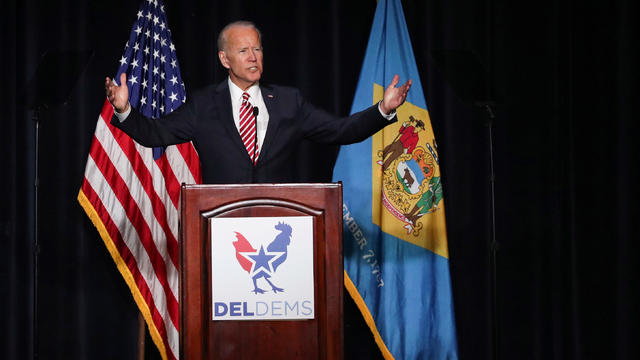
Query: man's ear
point(223, 59)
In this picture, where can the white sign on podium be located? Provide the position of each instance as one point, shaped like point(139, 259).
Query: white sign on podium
point(262, 268)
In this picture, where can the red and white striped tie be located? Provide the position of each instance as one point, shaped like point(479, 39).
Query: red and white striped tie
point(248, 131)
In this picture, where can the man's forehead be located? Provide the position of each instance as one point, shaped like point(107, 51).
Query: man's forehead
point(241, 32)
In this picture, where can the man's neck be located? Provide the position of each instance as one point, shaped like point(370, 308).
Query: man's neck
point(242, 85)
point(237, 91)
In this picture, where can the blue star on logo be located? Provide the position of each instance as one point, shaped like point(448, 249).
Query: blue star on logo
point(262, 260)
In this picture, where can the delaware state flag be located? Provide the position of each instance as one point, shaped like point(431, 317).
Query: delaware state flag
point(395, 242)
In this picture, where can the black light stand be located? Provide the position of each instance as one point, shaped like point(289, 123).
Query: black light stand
point(36, 245)
point(466, 75)
point(55, 77)
point(493, 245)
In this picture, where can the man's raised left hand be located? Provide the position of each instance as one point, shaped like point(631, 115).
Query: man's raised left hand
point(394, 96)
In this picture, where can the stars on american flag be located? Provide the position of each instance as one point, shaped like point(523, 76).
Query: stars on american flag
point(153, 77)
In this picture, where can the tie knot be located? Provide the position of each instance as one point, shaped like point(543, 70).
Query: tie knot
point(245, 96)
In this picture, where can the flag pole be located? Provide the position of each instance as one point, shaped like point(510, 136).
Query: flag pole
point(141, 335)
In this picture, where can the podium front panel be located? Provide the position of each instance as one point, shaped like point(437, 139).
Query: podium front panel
point(317, 338)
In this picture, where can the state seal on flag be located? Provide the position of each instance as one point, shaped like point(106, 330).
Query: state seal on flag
point(410, 186)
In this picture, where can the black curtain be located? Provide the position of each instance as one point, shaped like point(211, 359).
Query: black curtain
point(562, 75)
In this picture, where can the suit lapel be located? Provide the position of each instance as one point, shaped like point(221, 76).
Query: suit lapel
point(271, 101)
point(223, 101)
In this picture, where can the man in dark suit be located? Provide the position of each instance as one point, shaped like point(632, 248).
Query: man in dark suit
point(246, 132)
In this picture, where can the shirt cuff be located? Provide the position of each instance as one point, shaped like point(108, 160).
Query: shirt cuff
point(123, 116)
point(388, 117)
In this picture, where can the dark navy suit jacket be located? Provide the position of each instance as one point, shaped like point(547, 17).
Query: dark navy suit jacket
point(206, 119)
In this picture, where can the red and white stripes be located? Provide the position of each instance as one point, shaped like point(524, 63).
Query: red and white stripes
point(134, 202)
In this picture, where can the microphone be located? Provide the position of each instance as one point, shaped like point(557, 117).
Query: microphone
point(256, 111)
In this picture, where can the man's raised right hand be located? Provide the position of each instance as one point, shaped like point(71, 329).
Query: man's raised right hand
point(118, 95)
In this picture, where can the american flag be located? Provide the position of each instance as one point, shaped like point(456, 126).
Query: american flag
point(131, 193)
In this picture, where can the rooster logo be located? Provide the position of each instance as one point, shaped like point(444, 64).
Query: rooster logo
point(261, 264)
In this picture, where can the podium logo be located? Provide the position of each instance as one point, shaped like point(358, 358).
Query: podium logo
point(271, 275)
point(262, 264)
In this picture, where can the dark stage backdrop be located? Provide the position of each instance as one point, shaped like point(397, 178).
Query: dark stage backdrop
point(565, 79)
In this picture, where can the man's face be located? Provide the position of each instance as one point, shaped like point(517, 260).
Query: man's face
point(242, 56)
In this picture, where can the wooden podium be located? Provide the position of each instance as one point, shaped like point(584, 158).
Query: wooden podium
point(204, 338)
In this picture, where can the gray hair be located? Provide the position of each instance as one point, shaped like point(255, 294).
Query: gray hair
point(222, 37)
